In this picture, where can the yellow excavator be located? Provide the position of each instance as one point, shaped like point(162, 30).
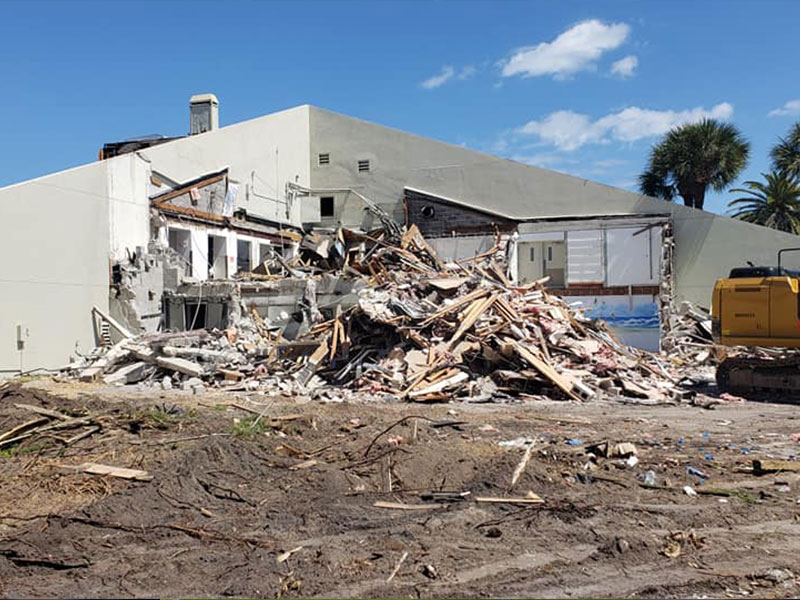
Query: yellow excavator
point(758, 306)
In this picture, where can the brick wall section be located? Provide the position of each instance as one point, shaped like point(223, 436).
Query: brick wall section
point(436, 217)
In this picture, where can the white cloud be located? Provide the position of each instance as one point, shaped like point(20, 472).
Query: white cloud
point(792, 107)
point(446, 75)
point(625, 67)
point(575, 50)
point(467, 72)
point(568, 130)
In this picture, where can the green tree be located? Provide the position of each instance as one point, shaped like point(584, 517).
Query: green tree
point(785, 154)
point(774, 203)
point(691, 158)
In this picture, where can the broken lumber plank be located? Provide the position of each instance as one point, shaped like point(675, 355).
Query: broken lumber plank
point(66, 424)
point(123, 331)
point(457, 305)
point(528, 499)
point(121, 472)
point(459, 377)
point(307, 372)
point(761, 467)
point(399, 562)
point(402, 506)
point(523, 463)
point(304, 465)
point(473, 313)
point(20, 429)
point(565, 384)
point(43, 411)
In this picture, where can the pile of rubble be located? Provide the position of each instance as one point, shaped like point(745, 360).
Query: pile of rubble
point(421, 330)
point(688, 340)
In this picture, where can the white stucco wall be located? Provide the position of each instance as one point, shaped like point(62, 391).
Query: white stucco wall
point(54, 252)
point(262, 155)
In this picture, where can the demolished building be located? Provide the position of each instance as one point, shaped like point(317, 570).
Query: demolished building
point(153, 237)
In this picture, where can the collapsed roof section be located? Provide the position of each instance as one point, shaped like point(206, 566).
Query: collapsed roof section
point(211, 200)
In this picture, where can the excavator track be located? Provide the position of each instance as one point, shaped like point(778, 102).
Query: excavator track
point(747, 375)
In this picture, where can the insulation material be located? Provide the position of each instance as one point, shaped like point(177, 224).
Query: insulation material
point(585, 257)
point(230, 199)
point(630, 257)
point(461, 247)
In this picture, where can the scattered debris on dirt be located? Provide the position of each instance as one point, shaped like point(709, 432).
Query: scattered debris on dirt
point(272, 498)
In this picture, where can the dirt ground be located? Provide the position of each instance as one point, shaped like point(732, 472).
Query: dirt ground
point(285, 507)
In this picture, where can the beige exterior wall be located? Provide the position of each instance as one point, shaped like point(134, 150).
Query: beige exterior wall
point(262, 155)
point(707, 245)
point(54, 252)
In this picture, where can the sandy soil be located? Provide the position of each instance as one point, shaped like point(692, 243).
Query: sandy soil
point(236, 510)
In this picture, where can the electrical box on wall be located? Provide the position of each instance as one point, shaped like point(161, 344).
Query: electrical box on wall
point(21, 335)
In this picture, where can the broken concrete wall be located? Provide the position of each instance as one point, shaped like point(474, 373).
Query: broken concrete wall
point(280, 303)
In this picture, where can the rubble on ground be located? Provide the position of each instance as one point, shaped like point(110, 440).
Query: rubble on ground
point(421, 330)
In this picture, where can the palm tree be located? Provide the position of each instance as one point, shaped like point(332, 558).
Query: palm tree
point(775, 203)
point(693, 157)
point(786, 154)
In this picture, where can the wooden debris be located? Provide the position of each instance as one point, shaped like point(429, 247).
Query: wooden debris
point(762, 466)
point(401, 506)
point(523, 463)
point(414, 328)
point(121, 472)
point(304, 465)
point(284, 556)
point(397, 568)
point(529, 498)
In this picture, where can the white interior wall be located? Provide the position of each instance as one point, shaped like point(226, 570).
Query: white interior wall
point(128, 204)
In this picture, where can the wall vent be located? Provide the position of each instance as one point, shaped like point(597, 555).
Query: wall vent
point(324, 159)
point(363, 166)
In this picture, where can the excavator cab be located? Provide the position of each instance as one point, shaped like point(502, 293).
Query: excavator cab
point(758, 306)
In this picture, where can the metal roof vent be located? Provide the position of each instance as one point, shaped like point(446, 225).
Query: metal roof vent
point(203, 113)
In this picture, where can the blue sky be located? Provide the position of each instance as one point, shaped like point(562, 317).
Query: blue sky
point(581, 87)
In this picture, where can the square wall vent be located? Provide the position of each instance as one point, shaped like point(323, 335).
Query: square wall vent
point(324, 159)
point(363, 166)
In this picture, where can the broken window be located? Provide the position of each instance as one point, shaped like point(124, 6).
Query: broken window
point(326, 206)
point(217, 257)
point(264, 252)
point(243, 256)
point(180, 240)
